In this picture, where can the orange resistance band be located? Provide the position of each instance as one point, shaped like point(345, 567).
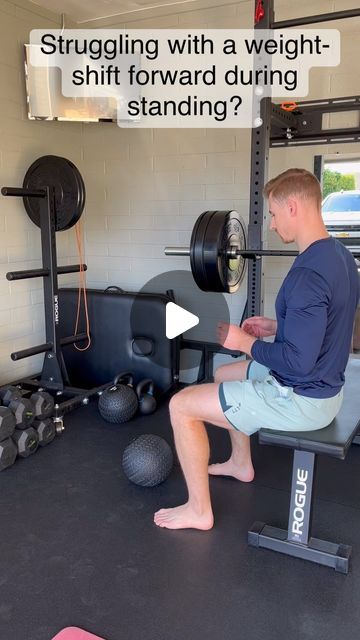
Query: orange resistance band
point(82, 287)
point(288, 106)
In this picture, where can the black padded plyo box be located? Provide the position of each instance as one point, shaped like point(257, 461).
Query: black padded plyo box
point(118, 340)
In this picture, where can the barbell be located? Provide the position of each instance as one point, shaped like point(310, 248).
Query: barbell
point(218, 251)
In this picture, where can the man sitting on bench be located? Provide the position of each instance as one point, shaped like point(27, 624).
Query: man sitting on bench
point(292, 384)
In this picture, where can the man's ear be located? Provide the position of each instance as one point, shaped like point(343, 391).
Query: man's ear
point(292, 207)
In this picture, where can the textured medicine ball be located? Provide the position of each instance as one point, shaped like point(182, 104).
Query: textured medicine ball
point(118, 403)
point(148, 460)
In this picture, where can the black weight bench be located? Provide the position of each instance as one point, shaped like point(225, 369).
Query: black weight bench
point(333, 440)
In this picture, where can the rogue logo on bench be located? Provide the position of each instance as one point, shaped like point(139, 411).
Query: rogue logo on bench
point(56, 309)
point(300, 500)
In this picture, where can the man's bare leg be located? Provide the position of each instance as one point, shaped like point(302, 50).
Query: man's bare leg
point(239, 465)
point(188, 410)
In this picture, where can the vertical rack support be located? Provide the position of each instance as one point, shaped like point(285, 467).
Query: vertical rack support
point(53, 373)
point(260, 140)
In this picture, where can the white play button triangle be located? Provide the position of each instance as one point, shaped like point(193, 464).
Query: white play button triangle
point(178, 320)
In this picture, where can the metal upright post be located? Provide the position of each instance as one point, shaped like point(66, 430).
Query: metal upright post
point(52, 374)
point(318, 167)
point(260, 140)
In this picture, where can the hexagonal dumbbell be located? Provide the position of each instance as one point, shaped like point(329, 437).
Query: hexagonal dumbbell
point(23, 410)
point(46, 431)
point(9, 393)
point(8, 453)
point(43, 403)
point(7, 423)
point(26, 440)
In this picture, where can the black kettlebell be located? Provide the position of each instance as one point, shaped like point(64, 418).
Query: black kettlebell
point(145, 394)
point(119, 402)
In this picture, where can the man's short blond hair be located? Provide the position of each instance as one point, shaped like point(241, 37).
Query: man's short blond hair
point(294, 182)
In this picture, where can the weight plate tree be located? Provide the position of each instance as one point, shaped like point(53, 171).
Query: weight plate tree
point(65, 178)
point(54, 197)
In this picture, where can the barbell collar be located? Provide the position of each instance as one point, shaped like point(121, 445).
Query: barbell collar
point(177, 251)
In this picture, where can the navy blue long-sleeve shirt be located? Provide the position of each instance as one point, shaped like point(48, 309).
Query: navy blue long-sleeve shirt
point(315, 311)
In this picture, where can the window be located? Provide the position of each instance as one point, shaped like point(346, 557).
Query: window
point(346, 202)
point(340, 182)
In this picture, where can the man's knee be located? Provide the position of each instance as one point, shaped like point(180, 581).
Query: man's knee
point(220, 372)
point(177, 402)
point(184, 403)
point(173, 404)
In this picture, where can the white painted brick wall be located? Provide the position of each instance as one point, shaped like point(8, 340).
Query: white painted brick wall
point(161, 184)
point(145, 188)
point(21, 142)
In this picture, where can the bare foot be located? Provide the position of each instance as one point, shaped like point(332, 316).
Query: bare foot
point(229, 468)
point(183, 517)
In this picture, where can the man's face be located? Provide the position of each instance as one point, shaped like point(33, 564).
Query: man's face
point(281, 220)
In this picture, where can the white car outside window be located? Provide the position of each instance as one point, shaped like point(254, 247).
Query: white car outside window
point(341, 215)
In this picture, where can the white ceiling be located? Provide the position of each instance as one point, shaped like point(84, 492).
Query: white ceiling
point(81, 11)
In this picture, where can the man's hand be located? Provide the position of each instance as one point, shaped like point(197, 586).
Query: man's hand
point(230, 336)
point(260, 327)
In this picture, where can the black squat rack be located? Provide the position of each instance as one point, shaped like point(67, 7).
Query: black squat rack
point(53, 193)
point(300, 127)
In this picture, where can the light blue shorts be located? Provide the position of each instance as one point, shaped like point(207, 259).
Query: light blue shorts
point(260, 402)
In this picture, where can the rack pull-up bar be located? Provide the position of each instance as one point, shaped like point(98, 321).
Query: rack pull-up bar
point(322, 17)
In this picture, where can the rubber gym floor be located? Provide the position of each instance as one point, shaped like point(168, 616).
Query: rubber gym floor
point(79, 547)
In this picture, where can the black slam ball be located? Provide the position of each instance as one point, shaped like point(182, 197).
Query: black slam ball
point(118, 403)
point(148, 460)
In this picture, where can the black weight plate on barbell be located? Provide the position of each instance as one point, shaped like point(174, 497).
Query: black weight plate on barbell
point(211, 249)
point(197, 248)
point(202, 233)
point(214, 233)
point(63, 175)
